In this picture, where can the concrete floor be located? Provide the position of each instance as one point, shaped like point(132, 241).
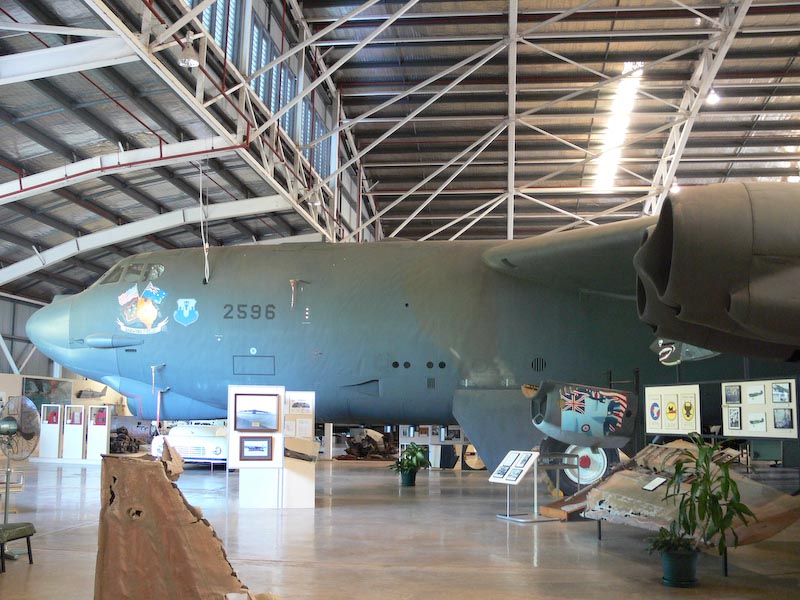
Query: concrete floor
point(369, 538)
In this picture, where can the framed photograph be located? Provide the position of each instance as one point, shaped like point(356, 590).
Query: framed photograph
point(783, 418)
point(454, 433)
point(523, 460)
point(755, 394)
point(256, 412)
point(734, 417)
point(424, 431)
point(514, 474)
point(74, 415)
point(733, 394)
point(435, 430)
point(781, 393)
point(255, 448)
point(757, 421)
point(47, 391)
point(97, 416)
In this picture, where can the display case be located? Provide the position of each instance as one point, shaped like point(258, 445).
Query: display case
point(98, 429)
point(74, 432)
point(50, 440)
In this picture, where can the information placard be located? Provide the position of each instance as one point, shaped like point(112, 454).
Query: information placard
point(514, 466)
point(672, 409)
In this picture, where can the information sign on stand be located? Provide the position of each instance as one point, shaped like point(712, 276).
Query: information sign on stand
point(511, 471)
point(760, 409)
point(50, 440)
point(74, 432)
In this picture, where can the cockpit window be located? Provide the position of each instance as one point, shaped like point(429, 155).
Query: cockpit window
point(132, 273)
point(152, 272)
point(112, 276)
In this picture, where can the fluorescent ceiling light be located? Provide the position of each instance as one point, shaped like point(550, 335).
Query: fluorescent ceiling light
point(617, 128)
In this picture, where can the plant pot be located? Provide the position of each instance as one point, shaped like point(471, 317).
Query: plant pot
point(680, 568)
point(408, 478)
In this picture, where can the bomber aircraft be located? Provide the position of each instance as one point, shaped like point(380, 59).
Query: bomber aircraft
point(398, 332)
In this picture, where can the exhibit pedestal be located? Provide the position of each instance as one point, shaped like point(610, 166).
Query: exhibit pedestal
point(97, 432)
point(50, 440)
point(259, 488)
point(74, 432)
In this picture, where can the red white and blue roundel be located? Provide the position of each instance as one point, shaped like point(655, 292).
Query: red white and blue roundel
point(655, 411)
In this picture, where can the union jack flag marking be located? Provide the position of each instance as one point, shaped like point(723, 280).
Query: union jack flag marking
point(575, 401)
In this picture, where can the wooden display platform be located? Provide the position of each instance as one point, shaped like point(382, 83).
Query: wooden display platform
point(566, 509)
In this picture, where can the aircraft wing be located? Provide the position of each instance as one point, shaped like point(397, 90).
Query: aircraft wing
point(592, 258)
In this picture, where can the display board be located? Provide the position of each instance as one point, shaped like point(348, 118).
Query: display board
point(98, 430)
point(672, 409)
point(74, 431)
point(444, 435)
point(50, 441)
point(760, 409)
point(514, 466)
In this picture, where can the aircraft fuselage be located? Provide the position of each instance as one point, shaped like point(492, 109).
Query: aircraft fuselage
point(381, 332)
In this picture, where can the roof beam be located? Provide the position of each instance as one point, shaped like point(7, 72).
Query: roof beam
point(127, 162)
point(6, 25)
point(70, 58)
point(695, 95)
point(170, 220)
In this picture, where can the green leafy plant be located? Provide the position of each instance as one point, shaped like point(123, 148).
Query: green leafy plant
point(412, 458)
point(708, 507)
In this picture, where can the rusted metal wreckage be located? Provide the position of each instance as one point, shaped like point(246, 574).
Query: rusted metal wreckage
point(622, 496)
point(152, 543)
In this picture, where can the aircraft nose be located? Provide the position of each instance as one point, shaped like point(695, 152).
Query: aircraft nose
point(48, 327)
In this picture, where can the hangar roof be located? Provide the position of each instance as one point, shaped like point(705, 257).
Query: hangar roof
point(422, 119)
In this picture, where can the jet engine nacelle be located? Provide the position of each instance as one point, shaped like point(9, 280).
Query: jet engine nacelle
point(721, 269)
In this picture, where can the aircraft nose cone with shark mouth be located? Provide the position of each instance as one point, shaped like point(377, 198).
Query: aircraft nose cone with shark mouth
point(48, 329)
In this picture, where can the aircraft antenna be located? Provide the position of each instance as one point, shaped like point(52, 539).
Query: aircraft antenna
point(204, 228)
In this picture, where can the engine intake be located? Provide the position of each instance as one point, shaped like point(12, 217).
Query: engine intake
point(721, 269)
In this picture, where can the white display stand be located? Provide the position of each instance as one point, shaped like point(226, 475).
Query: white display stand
point(299, 475)
point(98, 429)
point(74, 431)
point(50, 440)
point(255, 443)
point(511, 471)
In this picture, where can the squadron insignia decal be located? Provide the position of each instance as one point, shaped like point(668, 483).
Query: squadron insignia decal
point(187, 311)
point(140, 312)
point(583, 407)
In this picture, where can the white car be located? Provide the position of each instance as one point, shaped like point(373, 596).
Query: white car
point(195, 443)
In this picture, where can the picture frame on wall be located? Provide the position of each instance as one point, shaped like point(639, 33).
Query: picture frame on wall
point(781, 392)
point(256, 413)
point(783, 418)
point(755, 394)
point(734, 417)
point(255, 448)
point(733, 394)
point(757, 421)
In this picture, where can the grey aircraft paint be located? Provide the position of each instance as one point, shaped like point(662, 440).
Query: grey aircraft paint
point(383, 333)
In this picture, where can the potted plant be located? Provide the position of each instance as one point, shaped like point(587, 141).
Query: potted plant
point(412, 459)
point(709, 506)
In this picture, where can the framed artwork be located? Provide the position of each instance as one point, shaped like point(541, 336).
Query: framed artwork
point(734, 417)
point(255, 448)
point(783, 418)
point(435, 430)
point(757, 421)
point(755, 394)
point(454, 433)
point(424, 431)
point(47, 391)
point(256, 412)
point(98, 415)
point(74, 415)
point(781, 393)
point(51, 414)
point(733, 394)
